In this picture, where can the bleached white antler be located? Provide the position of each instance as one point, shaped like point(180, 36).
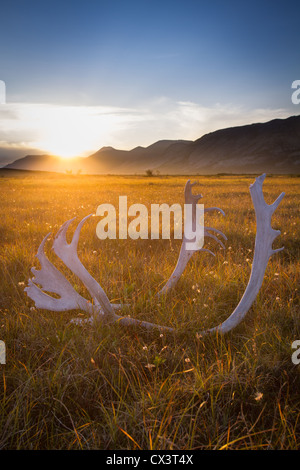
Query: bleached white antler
point(265, 235)
point(186, 254)
point(53, 281)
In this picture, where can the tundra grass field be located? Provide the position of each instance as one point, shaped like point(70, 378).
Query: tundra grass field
point(109, 387)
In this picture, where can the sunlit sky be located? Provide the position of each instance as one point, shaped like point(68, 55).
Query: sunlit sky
point(80, 74)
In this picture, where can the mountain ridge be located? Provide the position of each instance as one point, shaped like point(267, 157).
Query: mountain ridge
point(272, 147)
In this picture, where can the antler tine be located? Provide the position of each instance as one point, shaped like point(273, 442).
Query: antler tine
point(264, 214)
point(63, 230)
point(67, 252)
point(189, 197)
point(210, 235)
point(217, 231)
point(51, 280)
point(76, 235)
point(265, 235)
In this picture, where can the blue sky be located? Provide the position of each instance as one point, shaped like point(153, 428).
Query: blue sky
point(128, 73)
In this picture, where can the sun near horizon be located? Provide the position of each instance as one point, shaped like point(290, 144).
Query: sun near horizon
point(69, 131)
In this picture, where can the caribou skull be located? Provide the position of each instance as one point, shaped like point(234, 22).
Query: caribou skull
point(53, 281)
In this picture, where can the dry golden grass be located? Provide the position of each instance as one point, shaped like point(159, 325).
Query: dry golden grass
point(106, 387)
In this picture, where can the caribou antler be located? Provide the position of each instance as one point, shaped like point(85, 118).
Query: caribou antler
point(53, 281)
point(186, 254)
point(265, 235)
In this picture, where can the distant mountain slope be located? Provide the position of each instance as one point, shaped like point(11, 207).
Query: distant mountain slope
point(272, 147)
point(139, 159)
point(46, 163)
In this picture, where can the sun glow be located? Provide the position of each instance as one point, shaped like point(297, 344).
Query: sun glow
point(66, 131)
point(73, 131)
